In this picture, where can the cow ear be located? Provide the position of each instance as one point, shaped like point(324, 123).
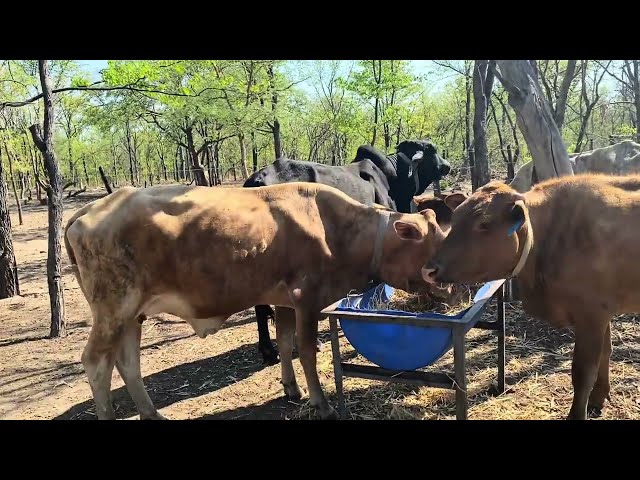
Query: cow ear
point(407, 231)
point(517, 216)
point(454, 200)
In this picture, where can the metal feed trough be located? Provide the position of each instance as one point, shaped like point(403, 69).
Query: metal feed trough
point(400, 343)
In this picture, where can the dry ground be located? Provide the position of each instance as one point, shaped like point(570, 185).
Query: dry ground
point(222, 377)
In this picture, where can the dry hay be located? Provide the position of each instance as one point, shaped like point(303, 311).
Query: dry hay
point(459, 300)
point(538, 376)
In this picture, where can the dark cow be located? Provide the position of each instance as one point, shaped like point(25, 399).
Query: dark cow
point(371, 178)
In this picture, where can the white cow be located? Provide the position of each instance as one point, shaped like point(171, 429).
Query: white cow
point(621, 158)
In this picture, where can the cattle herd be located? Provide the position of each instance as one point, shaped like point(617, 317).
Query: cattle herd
point(299, 236)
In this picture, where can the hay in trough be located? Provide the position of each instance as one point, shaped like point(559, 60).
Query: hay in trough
point(459, 299)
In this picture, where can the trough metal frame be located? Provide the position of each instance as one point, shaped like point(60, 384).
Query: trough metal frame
point(459, 326)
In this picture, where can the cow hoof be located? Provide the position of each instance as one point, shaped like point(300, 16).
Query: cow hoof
point(593, 411)
point(269, 354)
point(329, 413)
point(576, 416)
point(153, 416)
point(292, 391)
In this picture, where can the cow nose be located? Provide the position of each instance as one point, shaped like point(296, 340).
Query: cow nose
point(429, 273)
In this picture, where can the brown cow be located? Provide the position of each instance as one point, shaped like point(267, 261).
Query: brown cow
point(572, 244)
point(204, 254)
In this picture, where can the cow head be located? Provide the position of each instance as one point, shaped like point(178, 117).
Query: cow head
point(282, 170)
point(424, 157)
point(410, 242)
point(443, 211)
point(483, 243)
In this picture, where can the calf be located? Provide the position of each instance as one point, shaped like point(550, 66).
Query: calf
point(439, 206)
point(299, 246)
point(572, 243)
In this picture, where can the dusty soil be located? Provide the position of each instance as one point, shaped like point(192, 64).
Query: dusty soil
point(222, 376)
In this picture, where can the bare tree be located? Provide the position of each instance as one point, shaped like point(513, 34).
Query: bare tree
point(557, 91)
point(534, 118)
point(588, 104)
point(54, 194)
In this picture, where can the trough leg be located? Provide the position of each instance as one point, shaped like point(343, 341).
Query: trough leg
point(337, 366)
point(501, 335)
point(460, 373)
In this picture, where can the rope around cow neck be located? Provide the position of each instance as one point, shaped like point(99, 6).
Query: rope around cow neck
point(528, 242)
point(379, 241)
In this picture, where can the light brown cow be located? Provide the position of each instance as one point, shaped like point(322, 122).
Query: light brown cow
point(572, 242)
point(204, 254)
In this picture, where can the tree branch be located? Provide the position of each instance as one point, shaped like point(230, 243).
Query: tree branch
point(91, 88)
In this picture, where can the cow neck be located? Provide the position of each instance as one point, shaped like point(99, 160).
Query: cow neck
point(528, 242)
point(376, 257)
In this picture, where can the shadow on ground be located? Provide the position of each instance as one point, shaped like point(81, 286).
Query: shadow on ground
point(181, 382)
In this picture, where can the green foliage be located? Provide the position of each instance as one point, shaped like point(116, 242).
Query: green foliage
point(325, 109)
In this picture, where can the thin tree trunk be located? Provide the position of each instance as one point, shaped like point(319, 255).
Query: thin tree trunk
point(54, 257)
point(467, 119)
point(243, 157)
point(482, 85)
point(254, 151)
point(8, 277)
point(561, 104)
point(13, 183)
point(534, 119)
point(86, 174)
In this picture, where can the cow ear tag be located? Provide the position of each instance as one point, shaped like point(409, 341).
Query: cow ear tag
point(514, 228)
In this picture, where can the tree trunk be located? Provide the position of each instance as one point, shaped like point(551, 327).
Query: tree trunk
point(216, 162)
point(254, 152)
point(54, 257)
point(467, 120)
point(13, 184)
point(534, 119)
point(129, 151)
point(198, 171)
point(636, 95)
point(482, 85)
point(8, 277)
point(561, 104)
point(243, 157)
point(86, 174)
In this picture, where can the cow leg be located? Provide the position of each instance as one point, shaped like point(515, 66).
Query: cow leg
point(307, 333)
point(602, 388)
point(586, 360)
point(285, 329)
point(98, 359)
point(128, 365)
point(265, 346)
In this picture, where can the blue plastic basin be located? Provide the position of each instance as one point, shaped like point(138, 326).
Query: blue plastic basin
point(395, 346)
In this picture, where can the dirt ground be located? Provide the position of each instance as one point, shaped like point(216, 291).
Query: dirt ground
point(222, 376)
